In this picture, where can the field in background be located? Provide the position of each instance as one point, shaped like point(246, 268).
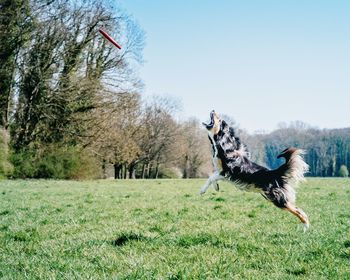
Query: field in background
point(162, 229)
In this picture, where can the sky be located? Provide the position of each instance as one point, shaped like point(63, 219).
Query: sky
point(260, 62)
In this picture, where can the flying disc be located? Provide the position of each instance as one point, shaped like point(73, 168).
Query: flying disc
point(109, 38)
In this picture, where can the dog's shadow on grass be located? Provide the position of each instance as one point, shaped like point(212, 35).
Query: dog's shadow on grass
point(125, 238)
point(185, 241)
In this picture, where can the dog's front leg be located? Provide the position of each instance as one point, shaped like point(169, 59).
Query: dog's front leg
point(212, 180)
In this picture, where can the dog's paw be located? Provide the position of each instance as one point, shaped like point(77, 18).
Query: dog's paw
point(306, 227)
point(202, 191)
point(216, 187)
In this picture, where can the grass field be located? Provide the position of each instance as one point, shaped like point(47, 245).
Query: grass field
point(164, 230)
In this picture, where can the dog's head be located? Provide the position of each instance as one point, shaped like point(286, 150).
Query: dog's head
point(217, 126)
point(215, 122)
point(221, 134)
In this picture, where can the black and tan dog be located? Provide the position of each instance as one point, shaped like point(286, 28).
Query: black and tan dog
point(231, 162)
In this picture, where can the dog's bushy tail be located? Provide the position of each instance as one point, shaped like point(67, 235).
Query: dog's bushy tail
point(292, 171)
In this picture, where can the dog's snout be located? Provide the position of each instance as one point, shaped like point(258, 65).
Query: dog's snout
point(214, 121)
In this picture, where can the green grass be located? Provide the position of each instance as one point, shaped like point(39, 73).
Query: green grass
point(165, 230)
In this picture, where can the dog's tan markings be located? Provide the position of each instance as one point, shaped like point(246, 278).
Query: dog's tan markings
point(216, 127)
point(299, 213)
point(219, 164)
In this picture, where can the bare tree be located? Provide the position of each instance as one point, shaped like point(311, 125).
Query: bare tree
point(195, 151)
point(65, 68)
point(115, 139)
point(158, 133)
point(66, 73)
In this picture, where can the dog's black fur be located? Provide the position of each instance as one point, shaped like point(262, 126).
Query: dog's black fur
point(277, 186)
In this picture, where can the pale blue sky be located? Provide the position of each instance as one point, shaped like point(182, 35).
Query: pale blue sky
point(262, 62)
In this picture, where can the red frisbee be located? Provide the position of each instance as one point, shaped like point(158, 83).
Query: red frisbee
point(109, 38)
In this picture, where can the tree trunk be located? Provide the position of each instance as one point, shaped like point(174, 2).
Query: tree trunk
point(149, 171)
point(132, 171)
point(143, 171)
point(117, 169)
point(157, 170)
point(186, 169)
point(104, 169)
point(125, 171)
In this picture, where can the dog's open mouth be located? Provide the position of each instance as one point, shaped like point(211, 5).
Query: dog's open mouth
point(212, 121)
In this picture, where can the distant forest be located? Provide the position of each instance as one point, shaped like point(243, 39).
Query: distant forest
point(71, 104)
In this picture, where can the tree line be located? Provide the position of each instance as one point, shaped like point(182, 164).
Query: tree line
point(71, 104)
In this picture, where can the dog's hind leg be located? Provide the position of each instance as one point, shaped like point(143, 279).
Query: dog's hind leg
point(212, 180)
point(299, 213)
